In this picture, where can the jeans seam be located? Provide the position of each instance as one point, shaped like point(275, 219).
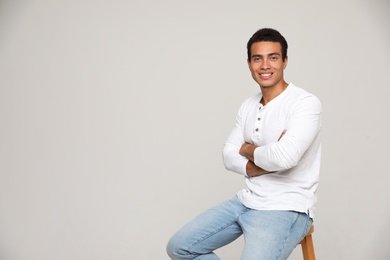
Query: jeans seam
point(287, 236)
point(307, 228)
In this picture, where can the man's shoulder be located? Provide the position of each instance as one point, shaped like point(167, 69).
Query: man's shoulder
point(250, 102)
point(254, 99)
point(301, 98)
point(300, 93)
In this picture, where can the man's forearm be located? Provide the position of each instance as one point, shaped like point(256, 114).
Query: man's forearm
point(247, 150)
point(252, 170)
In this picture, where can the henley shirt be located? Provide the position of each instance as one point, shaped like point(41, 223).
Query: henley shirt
point(294, 160)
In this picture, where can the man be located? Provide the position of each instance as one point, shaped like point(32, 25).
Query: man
point(275, 144)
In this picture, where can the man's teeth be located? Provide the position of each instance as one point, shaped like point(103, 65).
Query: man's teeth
point(266, 75)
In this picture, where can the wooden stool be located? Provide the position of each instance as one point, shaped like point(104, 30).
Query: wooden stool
point(307, 246)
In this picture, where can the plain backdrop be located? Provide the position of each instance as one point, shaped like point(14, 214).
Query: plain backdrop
point(113, 115)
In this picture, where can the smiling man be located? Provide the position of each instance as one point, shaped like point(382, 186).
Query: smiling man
point(275, 144)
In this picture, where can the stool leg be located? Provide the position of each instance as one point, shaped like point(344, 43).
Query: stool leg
point(308, 248)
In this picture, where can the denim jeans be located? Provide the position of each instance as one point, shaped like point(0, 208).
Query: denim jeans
point(268, 234)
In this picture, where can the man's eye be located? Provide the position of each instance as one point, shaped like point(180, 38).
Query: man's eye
point(274, 58)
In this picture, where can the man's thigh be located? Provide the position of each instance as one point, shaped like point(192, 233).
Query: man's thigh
point(210, 230)
point(271, 234)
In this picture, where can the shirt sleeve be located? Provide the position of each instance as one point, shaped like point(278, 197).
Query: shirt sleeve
point(302, 127)
point(232, 159)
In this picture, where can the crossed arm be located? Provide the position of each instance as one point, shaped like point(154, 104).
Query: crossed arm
point(247, 150)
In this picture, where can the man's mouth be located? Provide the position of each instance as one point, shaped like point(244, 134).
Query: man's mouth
point(265, 75)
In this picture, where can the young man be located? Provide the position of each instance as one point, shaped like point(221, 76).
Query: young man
point(276, 145)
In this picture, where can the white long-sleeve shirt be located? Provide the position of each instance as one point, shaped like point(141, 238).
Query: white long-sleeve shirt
point(294, 160)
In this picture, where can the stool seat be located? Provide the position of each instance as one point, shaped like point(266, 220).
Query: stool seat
point(307, 245)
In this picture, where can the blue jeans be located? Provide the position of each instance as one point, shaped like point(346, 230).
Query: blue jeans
point(268, 234)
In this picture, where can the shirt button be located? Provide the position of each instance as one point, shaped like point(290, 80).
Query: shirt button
point(257, 129)
point(258, 119)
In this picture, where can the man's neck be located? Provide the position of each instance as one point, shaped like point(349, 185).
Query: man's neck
point(270, 93)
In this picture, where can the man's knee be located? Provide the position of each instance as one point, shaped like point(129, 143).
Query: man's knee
point(175, 249)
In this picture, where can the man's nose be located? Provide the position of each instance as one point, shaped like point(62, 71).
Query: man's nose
point(265, 64)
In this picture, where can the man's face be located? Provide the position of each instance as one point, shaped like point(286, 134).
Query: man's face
point(266, 64)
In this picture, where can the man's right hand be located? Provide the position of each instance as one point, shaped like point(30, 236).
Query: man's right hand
point(252, 170)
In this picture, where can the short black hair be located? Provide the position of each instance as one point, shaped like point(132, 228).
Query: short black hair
point(267, 35)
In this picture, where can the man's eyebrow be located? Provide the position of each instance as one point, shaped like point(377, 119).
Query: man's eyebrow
point(269, 54)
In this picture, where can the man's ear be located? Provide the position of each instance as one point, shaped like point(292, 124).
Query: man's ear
point(285, 62)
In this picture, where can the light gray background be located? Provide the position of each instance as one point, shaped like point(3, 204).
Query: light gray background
point(114, 113)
